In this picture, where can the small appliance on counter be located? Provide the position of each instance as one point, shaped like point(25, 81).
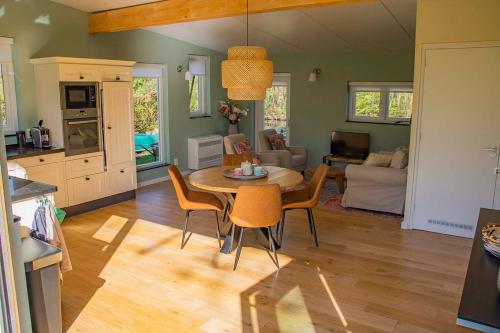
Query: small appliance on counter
point(40, 136)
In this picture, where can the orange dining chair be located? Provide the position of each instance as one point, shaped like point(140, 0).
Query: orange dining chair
point(256, 207)
point(236, 160)
point(306, 198)
point(190, 200)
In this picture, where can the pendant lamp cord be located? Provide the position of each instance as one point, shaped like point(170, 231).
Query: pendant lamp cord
point(247, 22)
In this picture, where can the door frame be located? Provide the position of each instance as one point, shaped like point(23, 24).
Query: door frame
point(259, 108)
point(416, 126)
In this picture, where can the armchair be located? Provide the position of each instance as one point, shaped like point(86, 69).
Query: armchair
point(264, 158)
point(290, 158)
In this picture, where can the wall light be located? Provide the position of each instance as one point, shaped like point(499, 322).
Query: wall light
point(313, 77)
point(189, 75)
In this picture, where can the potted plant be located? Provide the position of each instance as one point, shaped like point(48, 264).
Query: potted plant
point(233, 113)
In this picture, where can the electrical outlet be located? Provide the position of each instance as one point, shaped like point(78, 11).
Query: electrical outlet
point(176, 161)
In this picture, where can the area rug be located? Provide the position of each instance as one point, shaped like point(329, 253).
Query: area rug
point(331, 198)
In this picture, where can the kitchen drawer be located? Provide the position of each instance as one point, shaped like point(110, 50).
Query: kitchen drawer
point(116, 73)
point(52, 174)
point(121, 179)
point(85, 189)
point(84, 166)
point(75, 73)
point(39, 160)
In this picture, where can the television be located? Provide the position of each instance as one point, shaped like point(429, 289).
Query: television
point(350, 144)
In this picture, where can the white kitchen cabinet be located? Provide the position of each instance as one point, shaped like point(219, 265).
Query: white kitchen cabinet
point(84, 166)
point(78, 72)
point(53, 174)
point(121, 179)
point(118, 124)
point(116, 73)
point(85, 189)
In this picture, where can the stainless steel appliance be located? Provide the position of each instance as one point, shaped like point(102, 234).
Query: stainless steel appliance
point(40, 136)
point(82, 123)
point(79, 95)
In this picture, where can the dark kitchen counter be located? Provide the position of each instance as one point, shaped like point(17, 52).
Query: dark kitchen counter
point(22, 189)
point(480, 304)
point(13, 152)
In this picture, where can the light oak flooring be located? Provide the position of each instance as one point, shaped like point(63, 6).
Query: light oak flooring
point(130, 275)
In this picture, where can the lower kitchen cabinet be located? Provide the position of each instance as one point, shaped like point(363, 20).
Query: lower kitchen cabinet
point(53, 174)
point(121, 179)
point(86, 188)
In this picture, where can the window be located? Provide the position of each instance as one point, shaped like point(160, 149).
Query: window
point(147, 86)
point(198, 85)
point(380, 102)
point(8, 107)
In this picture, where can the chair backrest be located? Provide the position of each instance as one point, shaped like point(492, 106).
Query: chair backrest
point(257, 206)
point(180, 186)
point(263, 138)
point(232, 139)
point(316, 183)
point(236, 160)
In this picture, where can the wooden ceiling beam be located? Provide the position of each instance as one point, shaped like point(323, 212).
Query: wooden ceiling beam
point(178, 11)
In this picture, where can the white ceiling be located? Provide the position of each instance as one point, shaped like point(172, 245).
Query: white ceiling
point(376, 24)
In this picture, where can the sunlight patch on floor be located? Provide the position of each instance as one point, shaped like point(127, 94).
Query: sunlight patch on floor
point(332, 299)
point(110, 229)
point(292, 314)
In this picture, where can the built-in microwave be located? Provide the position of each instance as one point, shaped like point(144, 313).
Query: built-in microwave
point(79, 95)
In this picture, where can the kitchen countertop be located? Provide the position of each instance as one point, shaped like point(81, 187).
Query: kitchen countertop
point(22, 189)
point(13, 152)
point(480, 304)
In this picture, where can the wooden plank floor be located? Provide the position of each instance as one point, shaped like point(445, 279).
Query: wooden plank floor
point(129, 274)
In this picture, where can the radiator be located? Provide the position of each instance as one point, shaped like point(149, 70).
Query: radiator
point(204, 152)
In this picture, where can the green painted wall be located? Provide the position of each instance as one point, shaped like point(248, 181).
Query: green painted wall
point(319, 107)
point(67, 35)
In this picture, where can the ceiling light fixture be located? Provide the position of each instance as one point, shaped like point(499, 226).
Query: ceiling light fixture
point(247, 72)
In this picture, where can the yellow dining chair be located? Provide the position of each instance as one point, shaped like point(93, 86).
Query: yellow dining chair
point(190, 200)
point(236, 160)
point(306, 198)
point(256, 207)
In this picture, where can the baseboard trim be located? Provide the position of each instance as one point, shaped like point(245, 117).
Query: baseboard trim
point(160, 179)
point(99, 203)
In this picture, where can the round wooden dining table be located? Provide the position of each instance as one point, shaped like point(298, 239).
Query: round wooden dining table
point(213, 180)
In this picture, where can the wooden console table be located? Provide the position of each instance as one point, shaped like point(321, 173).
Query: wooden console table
point(339, 173)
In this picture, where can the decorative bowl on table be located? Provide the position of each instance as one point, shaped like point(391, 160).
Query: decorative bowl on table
point(491, 238)
point(229, 173)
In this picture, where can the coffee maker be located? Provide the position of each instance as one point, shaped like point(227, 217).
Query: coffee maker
point(40, 136)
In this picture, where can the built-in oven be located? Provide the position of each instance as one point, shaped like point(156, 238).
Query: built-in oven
point(82, 131)
point(79, 95)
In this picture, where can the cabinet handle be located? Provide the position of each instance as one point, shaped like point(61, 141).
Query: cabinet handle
point(122, 171)
point(86, 161)
point(117, 78)
point(87, 178)
point(41, 160)
point(109, 126)
point(82, 77)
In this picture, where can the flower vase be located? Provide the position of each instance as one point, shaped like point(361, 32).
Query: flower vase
point(232, 129)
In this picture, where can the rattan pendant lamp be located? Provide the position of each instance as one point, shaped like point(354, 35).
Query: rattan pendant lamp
point(247, 72)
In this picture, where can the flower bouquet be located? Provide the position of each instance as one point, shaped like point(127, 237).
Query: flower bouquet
point(232, 112)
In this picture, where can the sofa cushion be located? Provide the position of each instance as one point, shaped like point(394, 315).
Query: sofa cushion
point(399, 159)
point(298, 160)
point(277, 141)
point(242, 146)
point(378, 159)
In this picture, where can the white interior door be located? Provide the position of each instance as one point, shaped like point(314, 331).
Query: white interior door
point(274, 111)
point(459, 139)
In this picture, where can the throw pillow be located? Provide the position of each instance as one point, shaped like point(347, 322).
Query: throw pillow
point(242, 146)
point(378, 159)
point(277, 141)
point(399, 159)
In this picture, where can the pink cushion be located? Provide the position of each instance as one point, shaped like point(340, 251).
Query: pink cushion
point(277, 141)
point(242, 146)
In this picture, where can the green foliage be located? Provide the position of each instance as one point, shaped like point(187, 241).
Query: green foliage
point(194, 102)
point(400, 104)
point(275, 102)
point(368, 103)
point(145, 104)
point(3, 106)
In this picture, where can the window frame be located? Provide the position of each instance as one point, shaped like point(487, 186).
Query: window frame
point(385, 89)
point(141, 70)
point(203, 87)
point(9, 86)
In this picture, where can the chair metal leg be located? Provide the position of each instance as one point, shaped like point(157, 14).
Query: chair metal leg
point(226, 210)
point(313, 226)
point(309, 219)
point(238, 250)
point(281, 227)
point(186, 220)
point(232, 238)
point(271, 246)
point(218, 229)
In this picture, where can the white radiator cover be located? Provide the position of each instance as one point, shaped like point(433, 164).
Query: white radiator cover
point(204, 152)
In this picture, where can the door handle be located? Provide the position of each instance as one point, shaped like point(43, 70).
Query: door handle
point(492, 150)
